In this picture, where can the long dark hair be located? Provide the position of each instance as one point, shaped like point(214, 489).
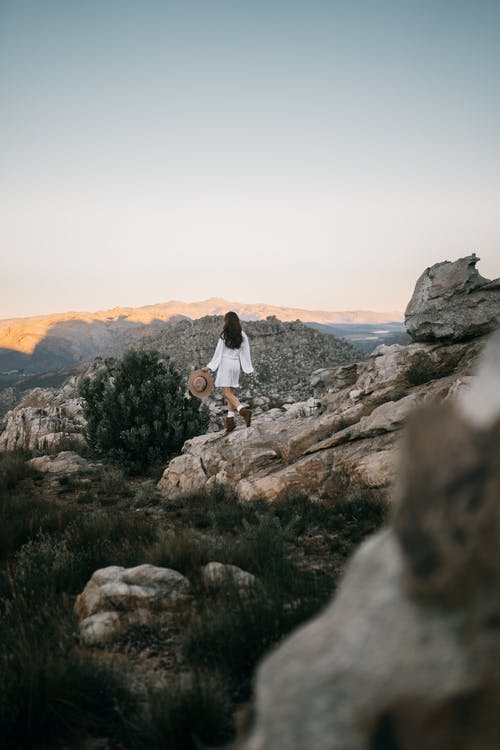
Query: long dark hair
point(231, 331)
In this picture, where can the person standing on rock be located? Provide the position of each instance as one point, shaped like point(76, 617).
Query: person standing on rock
point(232, 353)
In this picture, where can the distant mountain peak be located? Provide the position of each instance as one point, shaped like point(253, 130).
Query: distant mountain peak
point(81, 334)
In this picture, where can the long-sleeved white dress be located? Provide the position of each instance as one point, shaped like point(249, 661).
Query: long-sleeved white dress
point(227, 362)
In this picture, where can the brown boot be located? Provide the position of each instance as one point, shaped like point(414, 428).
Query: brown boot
point(246, 414)
point(230, 425)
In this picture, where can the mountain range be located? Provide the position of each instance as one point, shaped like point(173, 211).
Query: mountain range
point(40, 343)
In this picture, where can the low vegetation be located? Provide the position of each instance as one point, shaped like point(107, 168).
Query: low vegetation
point(137, 412)
point(53, 691)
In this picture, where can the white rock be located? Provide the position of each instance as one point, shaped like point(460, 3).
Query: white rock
point(65, 462)
point(216, 573)
point(126, 589)
point(100, 628)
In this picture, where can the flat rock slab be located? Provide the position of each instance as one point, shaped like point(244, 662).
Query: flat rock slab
point(65, 462)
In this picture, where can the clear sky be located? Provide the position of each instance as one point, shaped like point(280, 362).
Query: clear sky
point(312, 154)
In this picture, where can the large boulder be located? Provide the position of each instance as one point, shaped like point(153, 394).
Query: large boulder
point(407, 655)
point(117, 597)
point(453, 302)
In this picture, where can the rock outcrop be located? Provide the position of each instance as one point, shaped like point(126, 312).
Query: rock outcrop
point(63, 463)
point(284, 354)
point(363, 405)
point(356, 435)
point(49, 342)
point(116, 598)
point(45, 418)
point(453, 302)
point(407, 655)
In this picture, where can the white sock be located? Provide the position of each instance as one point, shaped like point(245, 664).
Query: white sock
point(230, 414)
point(239, 407)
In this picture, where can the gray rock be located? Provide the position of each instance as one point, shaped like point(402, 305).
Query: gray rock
point(333, 379)
point(100, 628)
point(216, 574)
point(452, 302)
point(44, 418)
point(65, 462)
point(183, 475)
point(331, 683)
point(126, 588)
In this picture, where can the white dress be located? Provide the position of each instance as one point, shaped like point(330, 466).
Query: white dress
point(227, 362)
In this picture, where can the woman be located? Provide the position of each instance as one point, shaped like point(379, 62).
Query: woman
point(231, 352)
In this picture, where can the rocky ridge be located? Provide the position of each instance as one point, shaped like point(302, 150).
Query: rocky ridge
point(356, 431)
point(47, 342)
point(284, 353)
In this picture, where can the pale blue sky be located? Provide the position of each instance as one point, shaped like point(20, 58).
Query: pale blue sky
point(314, 154)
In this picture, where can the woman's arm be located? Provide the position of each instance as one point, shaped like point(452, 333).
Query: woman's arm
point(215, 361)
point(245, 358)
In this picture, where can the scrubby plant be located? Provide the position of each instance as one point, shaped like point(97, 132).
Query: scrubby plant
point(137, 411)
point(23, 517)
point(48, 691)
point(233, 629)
point(191, 713)
point(52, 689)
point(14, 469)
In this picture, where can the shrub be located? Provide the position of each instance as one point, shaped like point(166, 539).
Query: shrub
point(47, 565)
point(23, 517)
point(232, 630)
point(184, 551)
point(48, 692)
point(136, 410)
point(188, 714)
point(14, 469)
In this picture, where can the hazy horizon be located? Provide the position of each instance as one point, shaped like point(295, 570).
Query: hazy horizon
point(315, 155)
point(258, 303)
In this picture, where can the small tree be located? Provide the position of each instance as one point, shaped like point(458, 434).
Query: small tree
point(136, 410)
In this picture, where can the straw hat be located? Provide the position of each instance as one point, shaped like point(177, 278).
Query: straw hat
point(200, 383)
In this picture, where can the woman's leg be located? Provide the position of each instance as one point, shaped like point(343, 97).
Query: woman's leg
point(231, 399)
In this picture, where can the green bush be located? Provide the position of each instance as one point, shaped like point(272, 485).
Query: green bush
point(23, 517)
point(136, 410)
point(52, 690)
point(14, 469)
point(189, 714)
point(233, 629)
point(48, 691)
